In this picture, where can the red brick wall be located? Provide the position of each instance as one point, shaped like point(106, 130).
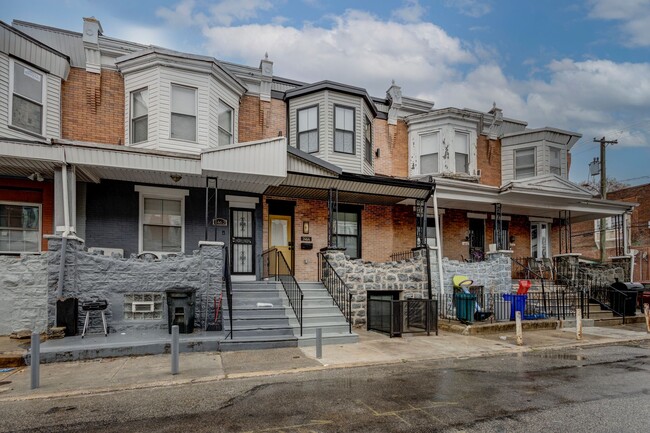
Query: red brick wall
point(92, 107)
point(26, 191)
point(384, 230)
point(488, 154)
point(260, 119)
point(392, 142)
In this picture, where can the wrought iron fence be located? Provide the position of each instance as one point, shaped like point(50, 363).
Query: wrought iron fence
point(227, 281)
point(401, 255)
point(407, 316)
point(336, 287)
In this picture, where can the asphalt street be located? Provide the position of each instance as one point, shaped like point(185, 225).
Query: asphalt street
point(596, 389)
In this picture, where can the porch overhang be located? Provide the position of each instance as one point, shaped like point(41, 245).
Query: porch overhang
point(352, 188)
point(22, 158)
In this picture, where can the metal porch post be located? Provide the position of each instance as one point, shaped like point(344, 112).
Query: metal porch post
point(498, 227)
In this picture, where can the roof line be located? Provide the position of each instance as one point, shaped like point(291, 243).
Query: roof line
point(33, 40)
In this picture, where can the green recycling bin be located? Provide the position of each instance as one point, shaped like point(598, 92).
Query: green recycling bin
point(465, 307)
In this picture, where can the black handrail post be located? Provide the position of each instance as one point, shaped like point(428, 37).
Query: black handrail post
point(350, 313)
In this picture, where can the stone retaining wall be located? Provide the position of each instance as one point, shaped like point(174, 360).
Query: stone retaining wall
point(23, 293)
point(495, 273)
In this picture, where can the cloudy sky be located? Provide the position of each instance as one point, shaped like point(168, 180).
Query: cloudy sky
point(580, 65)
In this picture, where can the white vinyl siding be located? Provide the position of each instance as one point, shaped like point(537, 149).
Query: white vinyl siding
point(209, 91)
point(51, 101)
point(547, 145)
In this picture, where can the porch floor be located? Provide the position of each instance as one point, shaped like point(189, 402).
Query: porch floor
point(149, 342)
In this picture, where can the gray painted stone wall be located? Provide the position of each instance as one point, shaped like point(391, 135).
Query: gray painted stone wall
point(409, 276)
point(494, 274)
point(23, 294)
point(93, 276)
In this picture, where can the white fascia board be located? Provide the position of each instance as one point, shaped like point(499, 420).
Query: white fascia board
point(35, 151)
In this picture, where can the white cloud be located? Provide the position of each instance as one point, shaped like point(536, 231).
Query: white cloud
point(634, 16)
point(472, 8)
point(224, 12)
point(180, 16)
point(411, 12)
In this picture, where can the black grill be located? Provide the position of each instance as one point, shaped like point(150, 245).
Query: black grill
point(94, 305)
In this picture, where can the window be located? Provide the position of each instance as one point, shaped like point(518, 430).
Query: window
point(461, 152)
point(20, 228)
point(162, 219)
point(344, 129)
point(225, 124)
point(556, 165)
point(308, 129)
point(367, 135)
point(27, 99)
point(348, 231)
point(143, 306)
point(429, 153)
point(524, 163)
point(139, 115)
point(183, 112)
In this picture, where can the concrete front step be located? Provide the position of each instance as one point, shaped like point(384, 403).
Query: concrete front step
point(257, 342)
point(308, 340)
point(617, 320)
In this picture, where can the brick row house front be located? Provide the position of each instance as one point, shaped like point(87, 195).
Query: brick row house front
point(143, 150)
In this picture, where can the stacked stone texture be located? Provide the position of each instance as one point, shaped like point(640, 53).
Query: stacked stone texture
point(494, 274)
point(23, 290)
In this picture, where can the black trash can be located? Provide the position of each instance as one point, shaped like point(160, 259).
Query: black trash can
point(67, 315)
point(180, 309)
point(624, 300)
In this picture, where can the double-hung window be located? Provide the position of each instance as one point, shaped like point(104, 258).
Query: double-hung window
point(367, 136)
point(348, 231)
point(27, 99)
point(556, 165)
point(225, 124)
point(139, 115)
point(20, 228)
point(162, 219)
point(308, 129)
point(524, 163)
point(461, 152)
point(344, 129)
point(429, 153)
point(183, 113)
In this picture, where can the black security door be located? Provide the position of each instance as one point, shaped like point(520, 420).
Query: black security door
point(242, 241)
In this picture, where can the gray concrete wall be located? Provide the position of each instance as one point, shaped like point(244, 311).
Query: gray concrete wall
point(93, 276)
point(23, 293)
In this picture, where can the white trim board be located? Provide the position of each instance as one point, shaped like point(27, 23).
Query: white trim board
point(242, 202)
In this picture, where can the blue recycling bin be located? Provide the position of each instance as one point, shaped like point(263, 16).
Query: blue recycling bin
point(517, 303)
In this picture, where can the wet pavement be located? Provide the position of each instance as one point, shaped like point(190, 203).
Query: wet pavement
point(588, 389)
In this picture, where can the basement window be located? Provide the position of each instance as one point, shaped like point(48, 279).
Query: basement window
point(143, 306)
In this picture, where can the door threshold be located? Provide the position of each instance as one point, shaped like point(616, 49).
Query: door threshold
point(243, 278)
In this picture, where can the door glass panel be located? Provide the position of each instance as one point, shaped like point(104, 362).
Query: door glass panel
point(279, 233)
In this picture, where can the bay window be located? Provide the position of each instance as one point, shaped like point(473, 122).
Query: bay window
point(225, 124)
point(556, 165)
point(344, 129)
point(524, 163)
point(429, 153)
point(461, 152)
point(139, 115)
point(308, 129)
point(183, 113)
point(367, 135)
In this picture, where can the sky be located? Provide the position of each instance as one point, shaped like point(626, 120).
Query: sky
point(578, 65)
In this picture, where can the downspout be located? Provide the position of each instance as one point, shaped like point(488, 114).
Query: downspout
point(66, 232)
point(439, 240)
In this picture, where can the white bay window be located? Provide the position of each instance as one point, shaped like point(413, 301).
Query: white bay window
point(524, 163)
point(429, 153)
point(225, 124)
point(139, 115)
point(183, 113)
point(461, 152)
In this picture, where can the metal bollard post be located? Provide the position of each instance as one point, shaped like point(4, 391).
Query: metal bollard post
point(646, 310)
point(35, 364)
point(520, 337)
point(175, 349)
point(319, 343)
point(578, 324)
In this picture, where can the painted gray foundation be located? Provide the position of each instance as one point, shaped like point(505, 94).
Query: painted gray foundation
point(23, 293)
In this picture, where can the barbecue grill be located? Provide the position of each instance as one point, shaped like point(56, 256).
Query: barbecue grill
point(96, 305)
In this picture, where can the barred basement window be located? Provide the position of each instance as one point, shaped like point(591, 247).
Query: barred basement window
point(143, 306)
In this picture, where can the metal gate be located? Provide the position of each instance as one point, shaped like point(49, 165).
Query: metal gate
point(397, 317)
point(243, 241)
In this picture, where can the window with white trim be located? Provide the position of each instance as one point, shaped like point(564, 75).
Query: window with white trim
point(27, 98)
point(524, 163)
point(183, 113)
point(20, 228)
point(347, 231)
point(461, 152)
point(429, 153)
point(139, 115)
point(344, 129)
point(556, 161)
point(308, 129)
point(162, 219)
point(225, 123)
point(367, 136)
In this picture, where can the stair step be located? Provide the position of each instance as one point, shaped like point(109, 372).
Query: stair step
point(328, 338)
point(256, 342)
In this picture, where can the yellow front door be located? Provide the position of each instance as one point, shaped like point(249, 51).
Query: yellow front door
point(280, 236)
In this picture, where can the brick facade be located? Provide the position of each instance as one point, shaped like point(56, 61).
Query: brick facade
point(488, 154)
point(261, 119)
point(92, 107)
point(27, 191)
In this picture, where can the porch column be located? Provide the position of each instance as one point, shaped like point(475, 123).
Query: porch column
point(332, 215)
point(63, 199)
point(498, 227)
point(421, 223)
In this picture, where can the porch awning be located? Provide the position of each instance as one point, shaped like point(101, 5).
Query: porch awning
point(353, 188)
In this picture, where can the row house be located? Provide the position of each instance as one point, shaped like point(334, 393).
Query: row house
point(140, 150)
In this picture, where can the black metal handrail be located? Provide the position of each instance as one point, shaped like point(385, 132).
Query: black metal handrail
point(401, 255)
point(228, 283)
point(602, 294)
point(290, 285)
point(269, 263)
point(336, 287)
point(528, 272)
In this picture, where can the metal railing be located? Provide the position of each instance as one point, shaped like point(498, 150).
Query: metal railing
point(397, 317)
point(336, 287)
point(227, 281)
point(401, 255)
point(274, 265)
point(520, 269)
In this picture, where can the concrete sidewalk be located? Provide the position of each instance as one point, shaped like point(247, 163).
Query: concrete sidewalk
point(116, 374)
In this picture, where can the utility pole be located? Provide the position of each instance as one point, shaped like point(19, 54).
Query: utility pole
point(603, 192)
